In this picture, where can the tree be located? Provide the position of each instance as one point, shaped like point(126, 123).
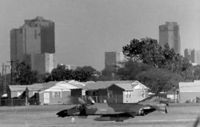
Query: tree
point(159, 80)
point(59, 73)
point(160, 68)
point(24, 75)
point(131, 69)
point(107, 75)
point(196, 72)
point(148, 51)
point(85, 73)
point(44, 77)
point(81, 73)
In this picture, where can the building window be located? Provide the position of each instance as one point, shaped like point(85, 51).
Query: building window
point(57, 94)
point(130, 95)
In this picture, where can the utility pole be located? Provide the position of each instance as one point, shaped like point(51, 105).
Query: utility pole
point(12, 68)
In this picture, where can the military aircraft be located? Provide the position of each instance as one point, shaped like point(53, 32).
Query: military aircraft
point(111, 111)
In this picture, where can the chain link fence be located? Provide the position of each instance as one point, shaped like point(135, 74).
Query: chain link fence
point(18, 102)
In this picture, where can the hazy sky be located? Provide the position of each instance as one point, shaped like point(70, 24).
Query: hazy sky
point(85, 29)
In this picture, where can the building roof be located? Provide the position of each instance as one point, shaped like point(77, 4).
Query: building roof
point(131, 85)
point(126, 85)
point(139, 85)
point(61, 86)
point(33, 87)
point(45, 86)
point(76, 83)
point(72, 84)
point(48, 85)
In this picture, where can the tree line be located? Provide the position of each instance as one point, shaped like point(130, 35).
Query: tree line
point(159, 68)
point(25, 76)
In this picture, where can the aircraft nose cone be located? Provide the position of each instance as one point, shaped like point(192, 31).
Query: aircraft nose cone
point(62, 113)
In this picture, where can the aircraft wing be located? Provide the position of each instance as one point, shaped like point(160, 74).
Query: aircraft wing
point(159, 107)
point(117, 116)
point(148, 108)
point(68, 112)
point(154, 102)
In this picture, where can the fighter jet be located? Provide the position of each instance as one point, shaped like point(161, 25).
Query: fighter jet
point(111, 111)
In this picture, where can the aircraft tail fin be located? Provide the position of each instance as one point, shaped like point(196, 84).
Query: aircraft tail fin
point(91, 100)
point(196, 122)
point(81, 101)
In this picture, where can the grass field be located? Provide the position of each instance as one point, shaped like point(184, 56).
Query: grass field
point(45, 116)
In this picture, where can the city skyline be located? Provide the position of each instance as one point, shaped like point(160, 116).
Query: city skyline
point(85, 29)
point(34, 44)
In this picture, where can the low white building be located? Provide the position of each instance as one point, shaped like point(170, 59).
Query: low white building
point(133, 92)
point(58, 94)
point(128, 92)
point(189, 91)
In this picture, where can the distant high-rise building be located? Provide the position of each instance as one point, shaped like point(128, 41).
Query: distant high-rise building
point(113, 60)
point(45, 64)
point(34, 41)
point(169, 33)
point(192, 55)
point(71, 67)
point(197, 57)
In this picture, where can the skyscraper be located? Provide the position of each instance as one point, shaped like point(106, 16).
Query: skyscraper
point(35, 40)
point(112, 60)
point(169, 33)
point(192, 55)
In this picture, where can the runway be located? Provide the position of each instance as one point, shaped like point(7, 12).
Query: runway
point(45, 116)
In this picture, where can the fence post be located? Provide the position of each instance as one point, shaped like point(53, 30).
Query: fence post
point(11, 101)
point(96, 99)
point(26, 101)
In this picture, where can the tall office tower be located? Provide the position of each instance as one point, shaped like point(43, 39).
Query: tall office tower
point(112, 60)
point(192, 55)
point(189, 54)
point(197, 57)
point(34, 40)
point(169, 33)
